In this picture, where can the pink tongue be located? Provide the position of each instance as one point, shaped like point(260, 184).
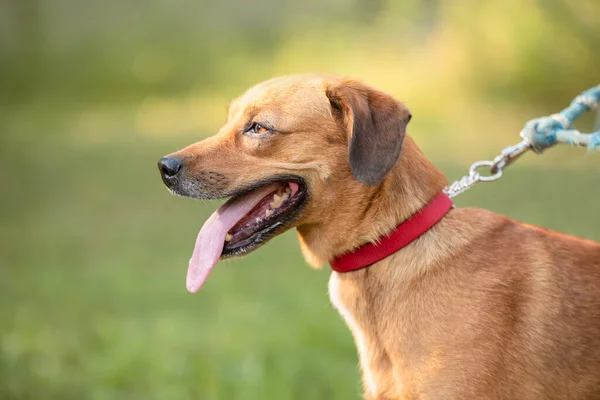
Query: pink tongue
point(211, 238)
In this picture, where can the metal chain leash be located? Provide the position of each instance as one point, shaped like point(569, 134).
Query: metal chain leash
point(537, 135)
point(496, 168)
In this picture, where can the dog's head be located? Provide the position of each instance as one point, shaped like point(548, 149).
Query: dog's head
point(289, 148)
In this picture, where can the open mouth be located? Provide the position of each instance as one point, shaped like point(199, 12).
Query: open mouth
point(258, 225)
point(243, 223)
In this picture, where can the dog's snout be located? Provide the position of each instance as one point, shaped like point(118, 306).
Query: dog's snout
point(169, 167)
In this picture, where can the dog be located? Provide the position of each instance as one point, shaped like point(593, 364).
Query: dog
point(476, 306)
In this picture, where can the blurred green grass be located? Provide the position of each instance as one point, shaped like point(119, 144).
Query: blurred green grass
point(92, 272)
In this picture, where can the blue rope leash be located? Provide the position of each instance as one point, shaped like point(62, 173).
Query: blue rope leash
point(538, 135)
point(545, 132)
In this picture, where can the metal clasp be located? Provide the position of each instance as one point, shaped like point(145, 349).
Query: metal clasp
point(509, 155)
point(496, 167)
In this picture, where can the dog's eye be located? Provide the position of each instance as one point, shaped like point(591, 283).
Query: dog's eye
point(257, 128)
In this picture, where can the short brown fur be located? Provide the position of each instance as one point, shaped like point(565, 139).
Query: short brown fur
point(479, 307)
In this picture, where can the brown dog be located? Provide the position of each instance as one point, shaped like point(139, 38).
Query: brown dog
point(478, 307)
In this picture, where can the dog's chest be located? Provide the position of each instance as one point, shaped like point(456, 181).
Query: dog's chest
point(347, 299)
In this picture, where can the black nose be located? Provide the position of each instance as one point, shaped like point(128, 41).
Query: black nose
point(169, 167)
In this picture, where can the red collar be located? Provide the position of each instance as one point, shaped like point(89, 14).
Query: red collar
point(404, 234)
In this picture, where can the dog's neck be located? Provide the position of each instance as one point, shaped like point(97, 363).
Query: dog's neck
point(364, 214)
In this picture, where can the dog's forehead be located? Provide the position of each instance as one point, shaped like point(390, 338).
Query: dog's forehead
point(287, 94)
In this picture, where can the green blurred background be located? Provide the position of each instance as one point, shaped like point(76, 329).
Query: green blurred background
point(93, 250)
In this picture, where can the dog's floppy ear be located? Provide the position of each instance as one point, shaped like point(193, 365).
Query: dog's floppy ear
point(375, 123)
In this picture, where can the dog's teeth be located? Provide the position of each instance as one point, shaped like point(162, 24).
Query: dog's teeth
point(228, 237)
point(288, 190)
point(285, 196)
point(277, 200)
point(269, 213)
